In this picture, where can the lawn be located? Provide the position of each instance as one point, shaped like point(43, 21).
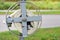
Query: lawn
point(41, 12)
point(47, 5)
point(40, 34)
point(48, 12)
point(5, 13)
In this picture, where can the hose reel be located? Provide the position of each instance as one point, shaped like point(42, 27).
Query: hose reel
point(31, 26)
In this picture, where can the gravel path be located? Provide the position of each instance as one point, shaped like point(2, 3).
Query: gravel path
point(48, 21)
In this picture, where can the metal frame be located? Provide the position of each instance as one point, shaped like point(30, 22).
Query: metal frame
point(24, 19)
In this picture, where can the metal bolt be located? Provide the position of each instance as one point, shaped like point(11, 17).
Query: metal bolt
point(24, 19)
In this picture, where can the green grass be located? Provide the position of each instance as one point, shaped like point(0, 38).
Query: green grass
point(8, 36)
point(43, 13)
point(48, 13)
point(40, 34)
point(47, 5)
point(5, 13)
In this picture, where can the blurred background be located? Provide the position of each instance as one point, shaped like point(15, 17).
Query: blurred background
point(42, 4)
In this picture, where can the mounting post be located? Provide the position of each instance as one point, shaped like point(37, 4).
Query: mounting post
point(21, 37)
point(23, 9)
